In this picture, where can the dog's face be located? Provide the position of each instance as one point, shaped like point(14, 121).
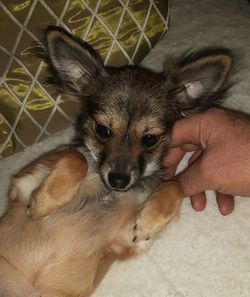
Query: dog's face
point(126, 128)
point(128, 112)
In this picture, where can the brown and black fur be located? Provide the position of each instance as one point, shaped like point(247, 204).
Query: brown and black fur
point(89, 205)
point(128, 112)
point(64, 243)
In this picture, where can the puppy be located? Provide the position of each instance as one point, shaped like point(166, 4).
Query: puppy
point(59, 236)
point(80, 220)
point(128, 113)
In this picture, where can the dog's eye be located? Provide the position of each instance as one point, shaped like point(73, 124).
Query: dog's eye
point(150, 140)
point(102, 131)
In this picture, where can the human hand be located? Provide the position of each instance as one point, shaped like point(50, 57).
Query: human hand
point(220, 141)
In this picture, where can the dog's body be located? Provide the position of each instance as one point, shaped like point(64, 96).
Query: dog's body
point(64, 247)
point(81, 220)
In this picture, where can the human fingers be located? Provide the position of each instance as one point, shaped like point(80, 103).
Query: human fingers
point(174, 157)
point(198, 201)
point(172, 160)
point(192, 179)
point(225, 203)
point(186, 131)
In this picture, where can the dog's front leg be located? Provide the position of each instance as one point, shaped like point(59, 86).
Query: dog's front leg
point(60, 185)
point(133, 236)
point(158, 211)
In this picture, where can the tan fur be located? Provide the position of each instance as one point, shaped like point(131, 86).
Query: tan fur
point(159, 210)
point(60, 186)
point(63, 249)
point(224, 60)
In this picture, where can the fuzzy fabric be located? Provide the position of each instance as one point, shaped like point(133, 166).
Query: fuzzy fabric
point(200, 254)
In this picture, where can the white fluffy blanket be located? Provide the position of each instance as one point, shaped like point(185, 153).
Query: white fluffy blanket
point(200, 254)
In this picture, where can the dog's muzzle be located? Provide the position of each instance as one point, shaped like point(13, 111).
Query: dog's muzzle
point(118, 181)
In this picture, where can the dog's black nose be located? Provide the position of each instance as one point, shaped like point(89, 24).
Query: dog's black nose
point(118, 181)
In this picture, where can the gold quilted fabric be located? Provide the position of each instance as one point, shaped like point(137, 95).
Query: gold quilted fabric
point(122, 31)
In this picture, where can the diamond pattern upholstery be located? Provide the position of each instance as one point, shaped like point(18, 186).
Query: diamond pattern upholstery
point(122, 31)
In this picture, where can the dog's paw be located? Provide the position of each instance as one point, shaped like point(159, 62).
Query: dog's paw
point(38, 208)
point(157, 213)
point(128, 244)
point(28, 210)
point(138, 234)
point(140, 242)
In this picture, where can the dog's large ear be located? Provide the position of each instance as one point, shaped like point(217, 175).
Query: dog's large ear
point(200, 79)
point(74, 64)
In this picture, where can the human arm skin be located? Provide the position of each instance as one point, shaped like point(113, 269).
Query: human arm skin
point(220, 140)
